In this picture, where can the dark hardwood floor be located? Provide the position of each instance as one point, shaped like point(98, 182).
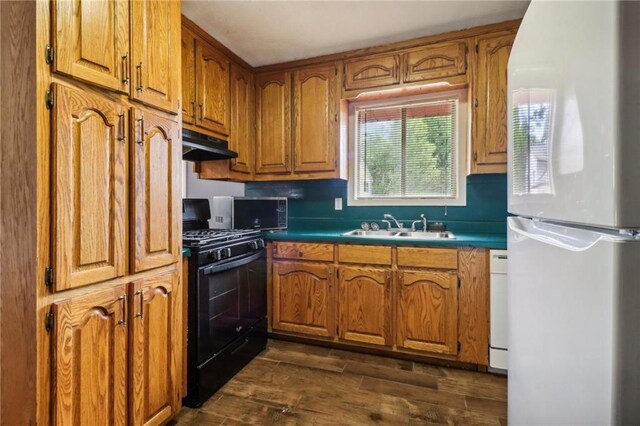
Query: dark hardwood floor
point(295, 384)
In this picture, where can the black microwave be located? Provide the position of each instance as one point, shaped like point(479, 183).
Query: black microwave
point(259, 213)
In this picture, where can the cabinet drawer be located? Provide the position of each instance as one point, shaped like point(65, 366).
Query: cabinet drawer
point(428, 257)
point(308, 251)
point(369, 255)
point(372, 72)
point(435, 61)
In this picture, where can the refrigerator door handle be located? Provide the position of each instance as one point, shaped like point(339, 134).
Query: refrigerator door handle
point(531, 229)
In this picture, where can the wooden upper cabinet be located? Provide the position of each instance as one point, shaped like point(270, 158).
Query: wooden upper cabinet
point(242, 119)
point(89, 359)
point(365, 305)
point(427, 312)
point(302, 294)
point(490, 99)
point(212, 88)
point(88, 196)
point(377, 71)
point(273, 123)
point(156, 199)
point(155, 349)
point(188, 106)
point(435, 61)
point(155, 50)
point(91, 41)
point(315, 118)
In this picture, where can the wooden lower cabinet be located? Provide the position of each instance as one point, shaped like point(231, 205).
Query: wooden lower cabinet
point(116, 354)
point(424, 301)
point(302, 298)
point(364, 303)
point(155, 351)
point(89, 359)
point(427, 315)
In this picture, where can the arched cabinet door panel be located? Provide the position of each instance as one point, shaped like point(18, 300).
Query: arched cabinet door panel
point(301, 298)
point(156, 211)
point(427, 313)
point(89, 358)
point(188, 107)
point(315, 118)
point(242, 132)
point(88, 190)
point(212, 86)
point(365, 304)
point(490, 100)
point(273, 123)
point(154, 349)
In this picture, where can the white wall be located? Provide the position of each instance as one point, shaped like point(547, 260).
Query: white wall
point(204, 188)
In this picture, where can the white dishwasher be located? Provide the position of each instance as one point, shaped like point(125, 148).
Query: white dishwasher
point(498, 306)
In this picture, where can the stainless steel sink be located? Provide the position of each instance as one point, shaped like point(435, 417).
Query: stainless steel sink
point(370, 234)
point(419, 235)
point(400, 235)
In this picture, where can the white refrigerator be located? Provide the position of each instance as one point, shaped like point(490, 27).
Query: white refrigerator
point(574, 190)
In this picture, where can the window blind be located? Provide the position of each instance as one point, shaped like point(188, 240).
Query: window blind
point(531, 129)
point(407, 151)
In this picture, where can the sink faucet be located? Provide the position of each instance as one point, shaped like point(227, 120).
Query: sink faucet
point(425, 224)
point(388, 216)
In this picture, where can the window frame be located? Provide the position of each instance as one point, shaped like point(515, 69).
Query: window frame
point(463, 132)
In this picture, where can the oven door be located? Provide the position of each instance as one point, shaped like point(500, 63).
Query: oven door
point(231, 297)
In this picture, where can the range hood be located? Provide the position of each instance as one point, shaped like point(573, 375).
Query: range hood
point(199, 147)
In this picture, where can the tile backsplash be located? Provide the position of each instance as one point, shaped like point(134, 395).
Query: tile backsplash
point(311, 205)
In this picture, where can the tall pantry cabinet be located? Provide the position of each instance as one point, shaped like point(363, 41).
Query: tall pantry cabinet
point(110, 301)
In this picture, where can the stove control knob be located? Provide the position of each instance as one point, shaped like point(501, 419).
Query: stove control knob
point(260, 243)
point(216, 255)
point(253, 245)
point(226, 252)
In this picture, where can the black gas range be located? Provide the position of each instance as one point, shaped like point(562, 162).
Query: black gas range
point(213, 245)
point(227, 303)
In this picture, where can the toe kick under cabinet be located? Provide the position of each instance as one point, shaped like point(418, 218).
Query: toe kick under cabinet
point(423, 301)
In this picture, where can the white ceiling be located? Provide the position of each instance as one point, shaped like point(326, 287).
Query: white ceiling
point(266, 32)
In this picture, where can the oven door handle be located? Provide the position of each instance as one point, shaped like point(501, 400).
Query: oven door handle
point(213, 269)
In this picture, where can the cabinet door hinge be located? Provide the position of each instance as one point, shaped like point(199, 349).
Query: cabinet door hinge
point(49, 98)
point(49, 54)
point(477, 48)
point(335, 164)
point(459, 346)
point(48, 321)
point(475, 156)
point(48, 276)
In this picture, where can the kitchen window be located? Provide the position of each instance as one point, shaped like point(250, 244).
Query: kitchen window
point(409, 151)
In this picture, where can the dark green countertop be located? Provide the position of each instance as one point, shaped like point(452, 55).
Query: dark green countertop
point(186, 252)
point(494, 241)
